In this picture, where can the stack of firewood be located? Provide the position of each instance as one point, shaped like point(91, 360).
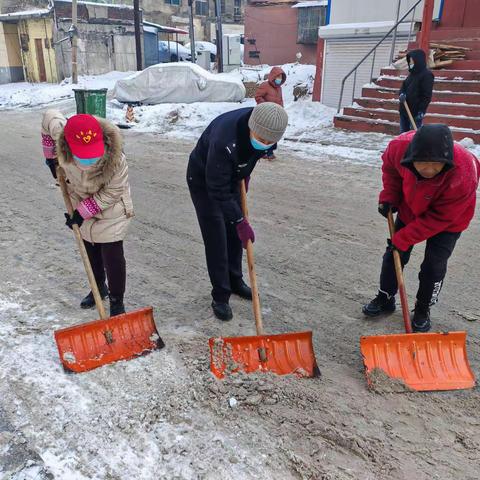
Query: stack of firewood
point(441, 55)
point(444, 55)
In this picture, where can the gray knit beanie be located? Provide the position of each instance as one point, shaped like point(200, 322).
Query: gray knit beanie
point(269, 121)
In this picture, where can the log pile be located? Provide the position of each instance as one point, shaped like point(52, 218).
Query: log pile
point(444, 55)
point(441, 55)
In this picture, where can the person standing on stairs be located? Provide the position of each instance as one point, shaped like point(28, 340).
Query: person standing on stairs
point(416, 90)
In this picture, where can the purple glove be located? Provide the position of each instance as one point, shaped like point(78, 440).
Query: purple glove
point(245, 233)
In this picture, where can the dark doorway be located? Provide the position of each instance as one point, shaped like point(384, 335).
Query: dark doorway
point(40, 60)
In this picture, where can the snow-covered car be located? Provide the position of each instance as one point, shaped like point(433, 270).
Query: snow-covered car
point(173, 52)
point(178, 83)
point(205, 47)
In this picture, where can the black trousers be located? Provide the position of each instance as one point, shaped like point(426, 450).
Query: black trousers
point(108, 258)
point(432, 271)
point(223, 248)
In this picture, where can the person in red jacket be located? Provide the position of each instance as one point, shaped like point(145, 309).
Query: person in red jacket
point(271, 91)
point(432, 183)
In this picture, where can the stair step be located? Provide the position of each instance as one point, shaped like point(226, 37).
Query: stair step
point(445, 74)
point(434, 107)
point(470, 43)
point(440, 84)
point(472, 123)
point(438, 96)
point(449, 35)
point(359, 124)
point(464, 65)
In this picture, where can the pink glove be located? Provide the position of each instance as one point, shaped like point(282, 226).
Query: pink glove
point(245, 233)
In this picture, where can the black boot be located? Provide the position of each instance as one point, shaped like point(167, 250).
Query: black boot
point(421, 319)
point(89, 301)
point(240, 288)
point(116, 306)
point(381, 304)
point(222, 311)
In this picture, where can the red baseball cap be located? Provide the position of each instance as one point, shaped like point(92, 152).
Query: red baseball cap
point(84, 136)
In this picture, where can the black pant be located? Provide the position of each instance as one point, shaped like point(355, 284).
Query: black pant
point(406, 125)
point(223, 248)
point(108, 257)
point(432, 271)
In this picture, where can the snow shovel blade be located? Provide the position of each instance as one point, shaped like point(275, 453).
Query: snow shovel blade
point(288, 353)
point(90, 345)
point(423, 361)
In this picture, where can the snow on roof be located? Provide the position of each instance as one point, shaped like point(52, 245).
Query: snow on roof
point(99, 4)
point(165, 29)
point(312, 3)
point(39, 12)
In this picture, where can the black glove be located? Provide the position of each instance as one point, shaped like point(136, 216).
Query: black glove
point(52, 165)
point(75, 219)
point(402, 97)
point(385, 207)
point(392, 247)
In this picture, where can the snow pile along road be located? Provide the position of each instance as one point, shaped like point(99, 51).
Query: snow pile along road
point(23, 94)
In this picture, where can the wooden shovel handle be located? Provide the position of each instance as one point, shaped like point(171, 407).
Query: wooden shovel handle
point(400, 279)
point(257, 311)
point(410, 116)
point(81, 247)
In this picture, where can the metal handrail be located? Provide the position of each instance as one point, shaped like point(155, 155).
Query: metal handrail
point(373, 50)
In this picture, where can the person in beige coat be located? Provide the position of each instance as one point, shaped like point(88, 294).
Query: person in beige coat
point(89, 152)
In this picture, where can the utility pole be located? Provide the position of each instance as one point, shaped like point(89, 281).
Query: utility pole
point(74, 36)
point(218, 15)
point(192, 31)
point(138, 37)
point(426, 26)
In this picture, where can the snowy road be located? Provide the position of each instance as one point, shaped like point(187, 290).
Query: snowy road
point(319, 241)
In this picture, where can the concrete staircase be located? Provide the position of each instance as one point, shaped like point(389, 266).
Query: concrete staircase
point(456, 95)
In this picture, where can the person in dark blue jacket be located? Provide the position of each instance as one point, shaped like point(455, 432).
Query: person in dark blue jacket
point(226, 153)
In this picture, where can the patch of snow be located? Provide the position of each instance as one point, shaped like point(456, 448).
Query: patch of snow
point(24, 94)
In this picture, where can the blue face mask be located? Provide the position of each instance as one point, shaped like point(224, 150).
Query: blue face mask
point(278, 81)
point(259, 145)
point(86, 162)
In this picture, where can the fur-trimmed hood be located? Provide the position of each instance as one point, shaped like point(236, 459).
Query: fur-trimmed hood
point(111, 161)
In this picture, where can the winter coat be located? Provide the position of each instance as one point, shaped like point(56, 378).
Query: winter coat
point(222, 157)
point(445, 203)
point(106, 183)
point(53, 122)
point(268, 91)
point(418, 86)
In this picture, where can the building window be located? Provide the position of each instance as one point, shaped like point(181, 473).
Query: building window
point(172, 2)
point(309, 19)
point(237, 10)
point(201, 7)
point(222, 7)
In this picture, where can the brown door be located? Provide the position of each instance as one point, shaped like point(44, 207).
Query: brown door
point(40, 60)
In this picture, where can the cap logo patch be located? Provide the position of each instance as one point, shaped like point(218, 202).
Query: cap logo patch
point(86, 137)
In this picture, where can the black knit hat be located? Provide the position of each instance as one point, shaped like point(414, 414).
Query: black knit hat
point(431, 143)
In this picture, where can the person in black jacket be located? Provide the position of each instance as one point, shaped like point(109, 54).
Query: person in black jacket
point(226, 153)
point(416, 90)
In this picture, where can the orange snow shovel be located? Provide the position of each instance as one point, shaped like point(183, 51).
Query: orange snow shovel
point(91, 345)
point(288, 353)
point(423, 361)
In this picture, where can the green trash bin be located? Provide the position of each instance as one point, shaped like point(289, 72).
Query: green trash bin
point(93, 102)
